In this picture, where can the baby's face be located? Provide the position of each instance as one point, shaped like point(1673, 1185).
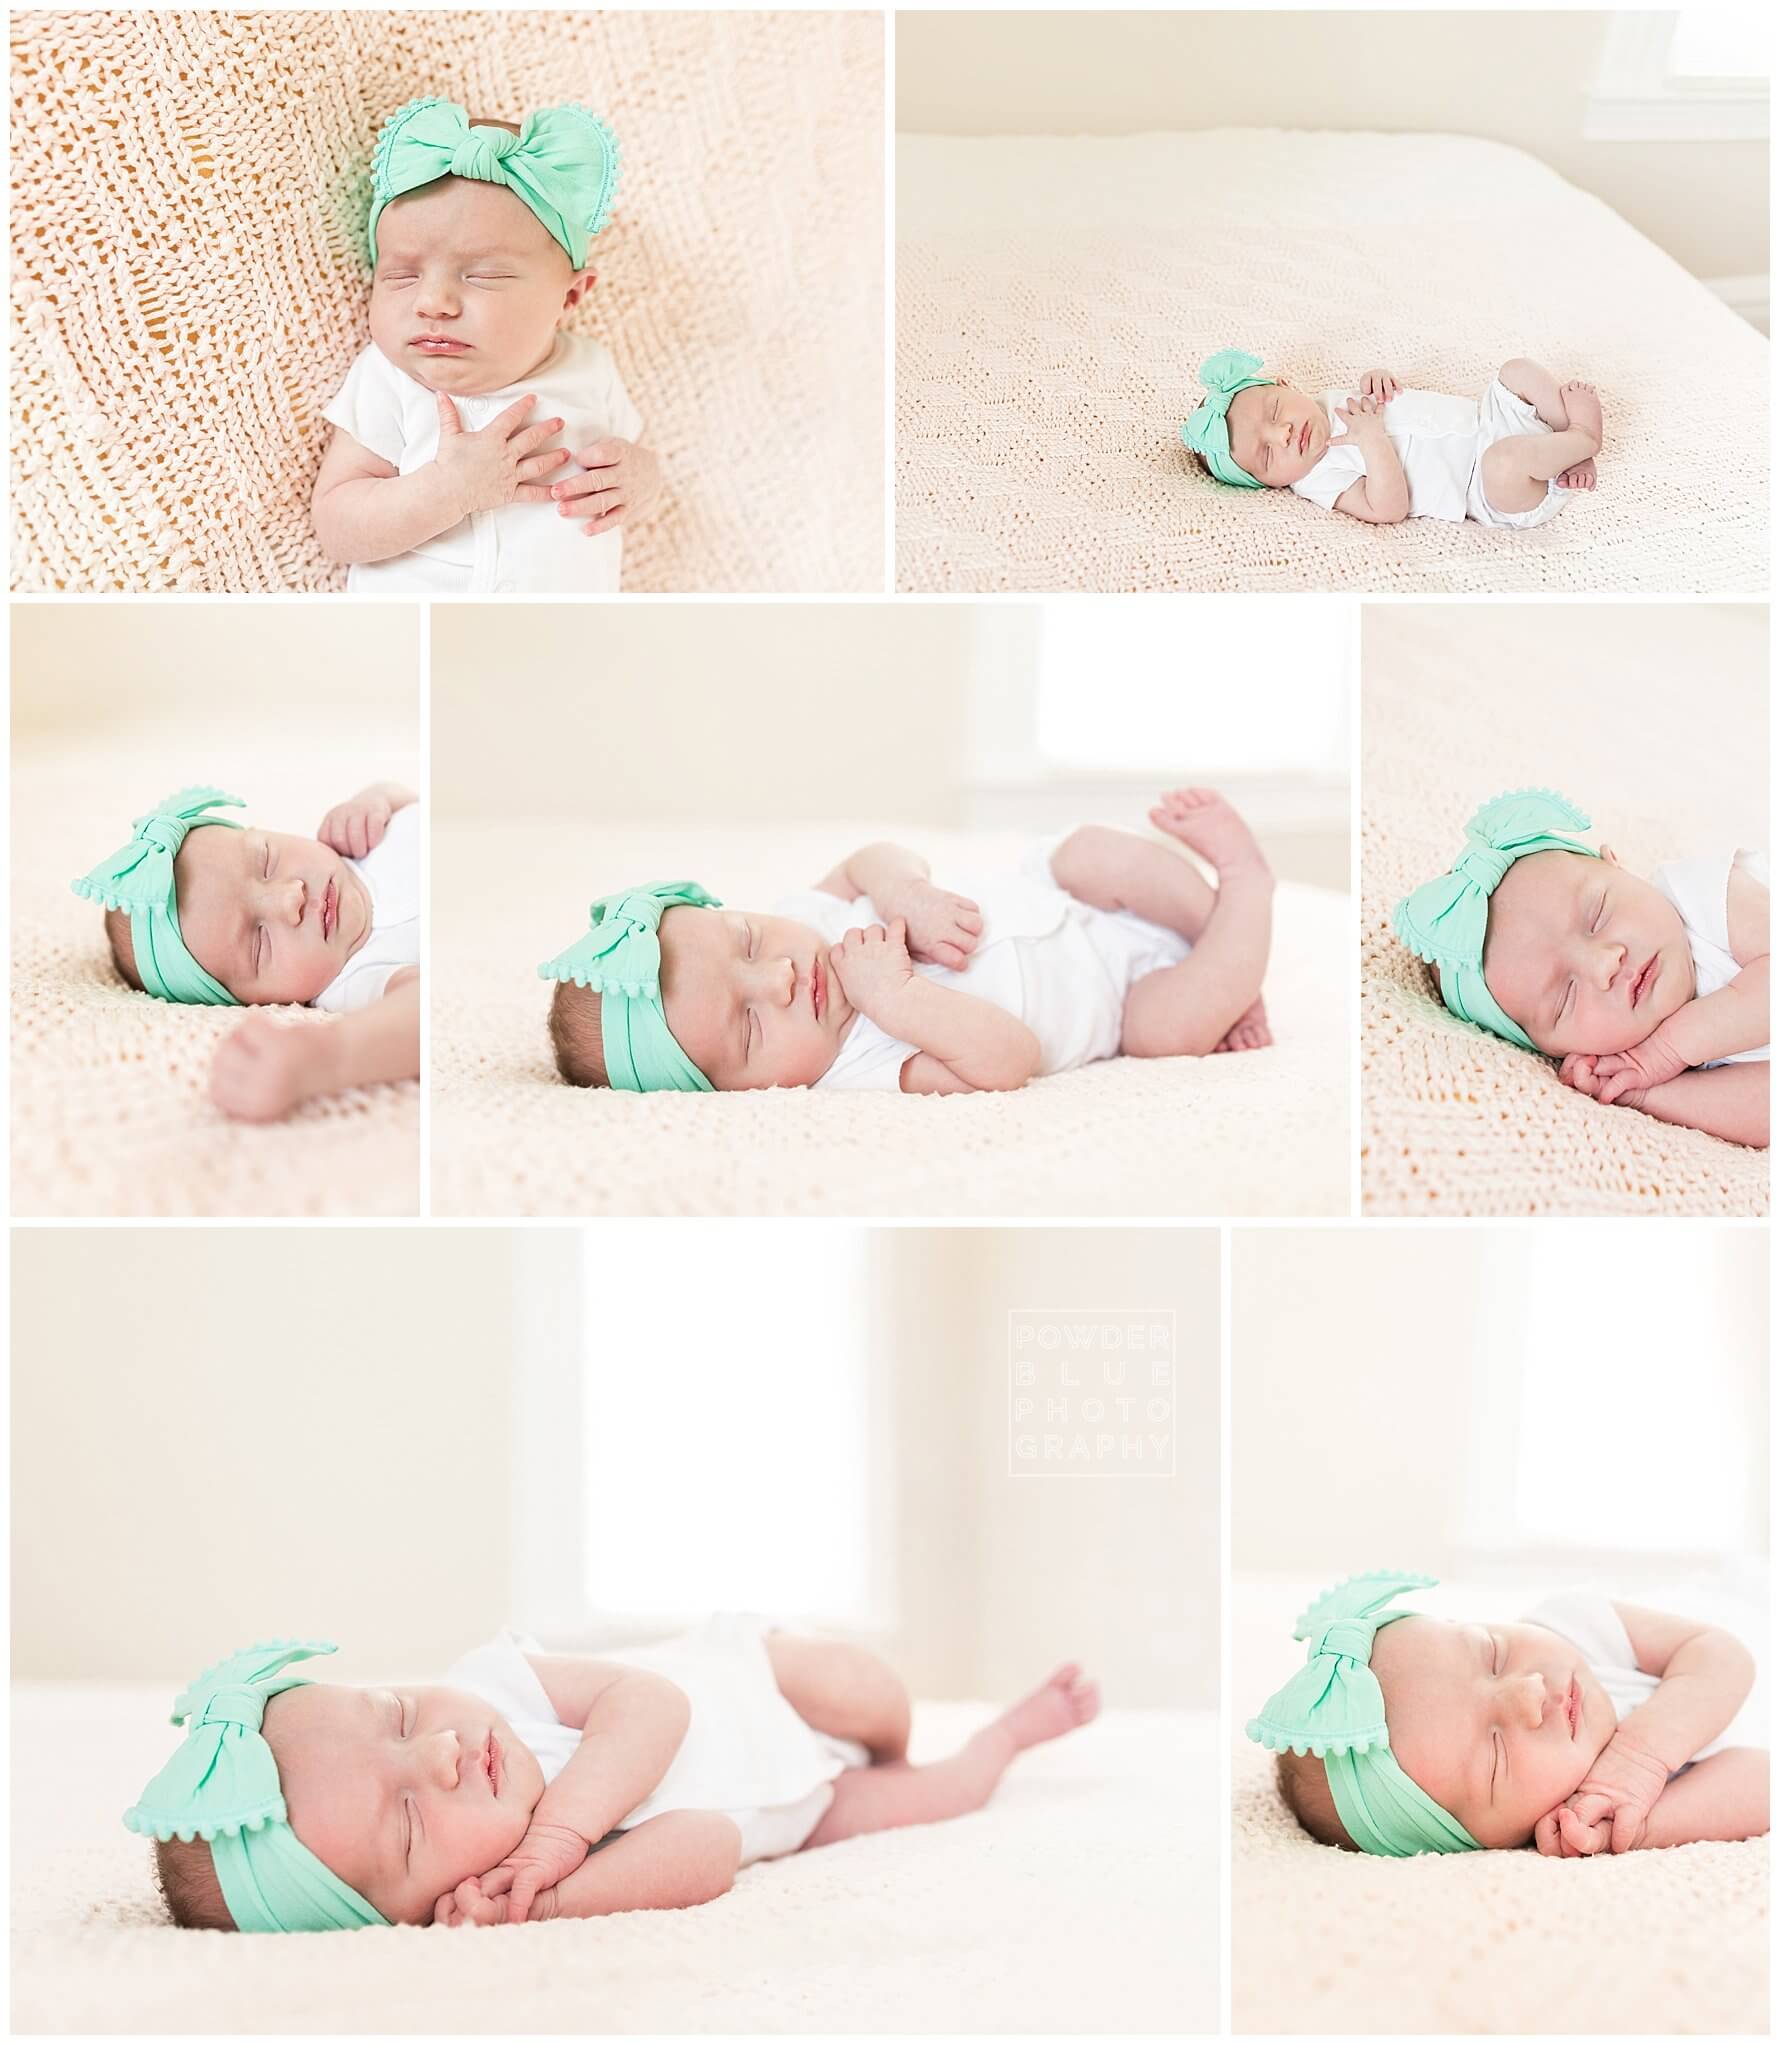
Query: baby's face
point(1497, 1723)
point(1583, 955)
point(751, 999)
point(404, 1793)
point(274, 918)
point(1277, 434)
point(469, 286)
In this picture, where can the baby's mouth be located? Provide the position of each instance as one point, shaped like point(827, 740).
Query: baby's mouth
point(330, 912)
point(438, 344)
point(1573, 1706)
point(1645, 981)
point(817, 991)
point(1304, 438)
point(491, 1762)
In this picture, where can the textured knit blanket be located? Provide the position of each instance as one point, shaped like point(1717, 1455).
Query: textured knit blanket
point(190, 285)
point(110, 1109)
point(1083, 1898)
point(1654, 719)
point(1055, 296)
point(1256, 1132)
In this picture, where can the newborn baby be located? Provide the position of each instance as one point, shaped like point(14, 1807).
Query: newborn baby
point(1106, 944)
point(1588, 1727)
point(533, 1785)
point(476, 447)
point(1653, 993)
point(200, 909)
point(1383, 453)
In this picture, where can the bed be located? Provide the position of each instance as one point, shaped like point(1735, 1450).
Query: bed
point(1329, 1942)
point(189, 190)
point(1262, 1132)
point(110, 1113)
point(1109, 1835)
point(1055, 295)
point(1457, 1122)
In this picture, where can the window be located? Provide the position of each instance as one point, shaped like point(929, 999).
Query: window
point(1699, 74)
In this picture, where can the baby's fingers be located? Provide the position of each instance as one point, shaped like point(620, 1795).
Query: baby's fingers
point(1547, 1835)
point(496, 1882)
point(519, 1904)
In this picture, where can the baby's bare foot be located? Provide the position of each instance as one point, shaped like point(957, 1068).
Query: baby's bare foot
point(1056, 1707)
point(1581, 477)
point(1249, 1032)
point(1202, 819)
point(1583, 404)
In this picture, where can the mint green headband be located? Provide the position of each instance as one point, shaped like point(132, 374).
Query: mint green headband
point(222, 1786)
point(1207, 432)
point(563, 164)
point(138, 878)
point(1446, 921)
point(1333, 1708)
point(620, 957)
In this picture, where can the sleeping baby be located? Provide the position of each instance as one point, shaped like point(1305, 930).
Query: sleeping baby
point(531, 1786)
point(201, 909)
point(1382, 453)
point(1653, 993)
point(476, 447)
point(1103, 944)
point(1588, 1727)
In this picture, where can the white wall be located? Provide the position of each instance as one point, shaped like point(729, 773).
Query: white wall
point(1511, 77)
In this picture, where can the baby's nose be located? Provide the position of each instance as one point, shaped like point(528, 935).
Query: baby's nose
point(1531, 1700)
point(445, 1759)
point(1612, 959)
point(293, 900)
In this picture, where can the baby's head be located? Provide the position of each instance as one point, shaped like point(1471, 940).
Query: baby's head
point(1443, 1737)
point(479, 236)
point(372, 1803)
point(1252, 430)
point(1547, 943)
point(199, 909)
point(671, 990)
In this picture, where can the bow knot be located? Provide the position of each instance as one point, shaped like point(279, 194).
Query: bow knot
point(234, 1704)
point(1482, 865)
point(1350, 1638)
point(480, 150)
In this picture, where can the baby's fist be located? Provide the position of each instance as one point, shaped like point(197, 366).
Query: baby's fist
point(353, 828)
point(263, 1069)
point(942, 926)
point(467, 1905)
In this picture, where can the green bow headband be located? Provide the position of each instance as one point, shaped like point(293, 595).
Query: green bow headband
point(138, 878)
point(222, 1786)
point(1207, 432)
point(621, 957)
point(1333, 1708)
point(563, 164)
point(1446, 920)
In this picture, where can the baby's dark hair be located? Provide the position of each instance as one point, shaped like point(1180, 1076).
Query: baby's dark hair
point(575, 1035)
point(1204, 465)
point(1304, 1783)
point(123, 946)
point(186, 1874)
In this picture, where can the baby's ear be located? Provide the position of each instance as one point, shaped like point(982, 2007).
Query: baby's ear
point(1609, 855)
point(580, 284)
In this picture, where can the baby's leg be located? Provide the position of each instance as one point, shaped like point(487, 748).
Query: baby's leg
point(844, 1691)
point(1516, 470)
point(898, 1793)
point(1118, 870)
point(1190, 1008)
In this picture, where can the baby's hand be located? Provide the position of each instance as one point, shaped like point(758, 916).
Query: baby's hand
point(621, 480)
point(1575, 1830)
point(263, 1069)
point(501, 463)
point(1380, 384)
point(548, 1854)
point(352, 828)
point(467, 1905)
point(1645, 1065)
point(1578, 1070)
point(1363, 417)
point(873, 965)
point(942, 927)
point(1614, 1798)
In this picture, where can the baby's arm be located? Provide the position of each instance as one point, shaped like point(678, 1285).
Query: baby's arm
point(665, 1863)
point(1723, 1797)
point(363, 509)
point(942, 926)
point(1730, 1101)
point(1381, 497)
point(966, 1044)
point(262, 1069)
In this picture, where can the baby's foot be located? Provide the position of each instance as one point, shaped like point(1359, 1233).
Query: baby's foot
point(1581, 477)
point(1583, 404)
point(1249, 1032)
point(1202, 819)
point(1054, 1708)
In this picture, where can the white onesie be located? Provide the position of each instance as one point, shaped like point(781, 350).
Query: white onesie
point(391, 874)
point(1700, 891)
point(1440, 441)
point(1589, 1622)
point(746, 1752)
point(1062, 967)
point(516, 547)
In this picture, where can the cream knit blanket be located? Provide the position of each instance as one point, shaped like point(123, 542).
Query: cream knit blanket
point(188, 197)
point(1055, 296)
point(1260, 1132)
point(1654, 719)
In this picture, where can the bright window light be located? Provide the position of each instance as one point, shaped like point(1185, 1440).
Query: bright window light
point(1249, 686)
point(726, 1375)
point(1721, 42)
